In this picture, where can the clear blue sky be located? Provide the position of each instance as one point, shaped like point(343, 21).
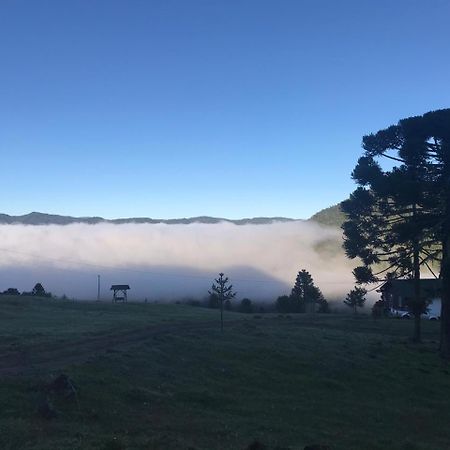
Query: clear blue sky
point(230, 108)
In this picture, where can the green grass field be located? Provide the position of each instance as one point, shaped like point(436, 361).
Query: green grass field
point(164, 377)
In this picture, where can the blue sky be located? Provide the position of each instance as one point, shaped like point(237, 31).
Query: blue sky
point(229, 108)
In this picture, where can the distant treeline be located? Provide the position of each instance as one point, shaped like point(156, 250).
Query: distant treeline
point(37, 291)
point(305, 297)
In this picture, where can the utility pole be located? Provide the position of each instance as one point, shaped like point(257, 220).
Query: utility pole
point(98, 288)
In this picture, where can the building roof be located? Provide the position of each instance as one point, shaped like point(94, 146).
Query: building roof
point(429, 287)
point(120, 287)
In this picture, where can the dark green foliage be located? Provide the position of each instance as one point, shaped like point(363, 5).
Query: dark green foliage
point(283, 304)
point(305, 297)
point(39, 291)
point(323, 306)
point(11, 291)
point(227, 305)
point(379, 309)
point(246, 306)
point(399, 219)
point(356, 298)
point(305, 294)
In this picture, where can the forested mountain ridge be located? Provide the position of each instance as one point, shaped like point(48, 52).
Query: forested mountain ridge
point(331, 216)
point(37, 218)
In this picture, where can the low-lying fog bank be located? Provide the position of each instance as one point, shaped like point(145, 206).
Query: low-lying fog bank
point(169, 262)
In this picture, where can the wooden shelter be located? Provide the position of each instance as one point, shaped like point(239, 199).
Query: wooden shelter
point(120, 292)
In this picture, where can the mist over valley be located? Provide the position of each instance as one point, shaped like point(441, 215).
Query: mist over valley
point(175, 261)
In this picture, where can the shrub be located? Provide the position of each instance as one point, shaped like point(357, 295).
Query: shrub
point(379, 309)
point(11, 291)
point(246, 306)
point(283, 304)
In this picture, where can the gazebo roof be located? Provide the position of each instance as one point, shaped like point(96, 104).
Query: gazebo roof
point(120, 287)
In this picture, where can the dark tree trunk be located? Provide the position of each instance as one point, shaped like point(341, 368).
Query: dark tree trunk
point(221, 314)
point(417, 298)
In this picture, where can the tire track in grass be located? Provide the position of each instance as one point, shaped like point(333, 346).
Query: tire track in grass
point(41, 357)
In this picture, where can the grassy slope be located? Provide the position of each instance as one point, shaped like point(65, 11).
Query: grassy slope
point(351, 383)
point(27, 321)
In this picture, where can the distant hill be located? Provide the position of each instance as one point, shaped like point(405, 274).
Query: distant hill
point(332, 216)
point(37, 218)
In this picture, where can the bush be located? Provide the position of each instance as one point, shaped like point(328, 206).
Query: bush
point(379, 309)
point(11, 291)
point(283, 304)
point(246, 306)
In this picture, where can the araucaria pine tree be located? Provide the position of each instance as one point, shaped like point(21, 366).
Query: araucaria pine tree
point(399, 220)
point(386, 224)
point(224, 291)
point(356, 298)
point(305, 294)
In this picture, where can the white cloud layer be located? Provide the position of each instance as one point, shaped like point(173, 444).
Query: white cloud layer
point(163, 262)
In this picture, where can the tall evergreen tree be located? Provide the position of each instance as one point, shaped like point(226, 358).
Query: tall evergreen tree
point(305, 294)
point(420, 146)
point(39, 290)
point(386, 225)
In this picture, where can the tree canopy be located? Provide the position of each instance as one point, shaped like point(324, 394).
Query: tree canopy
point(399, 219)
point(39, 290)
point(356, 298)
point(305, 296)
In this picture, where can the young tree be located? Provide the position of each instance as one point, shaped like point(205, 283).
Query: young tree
point(224, 292)
point(305, 294)
point(356, 298)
